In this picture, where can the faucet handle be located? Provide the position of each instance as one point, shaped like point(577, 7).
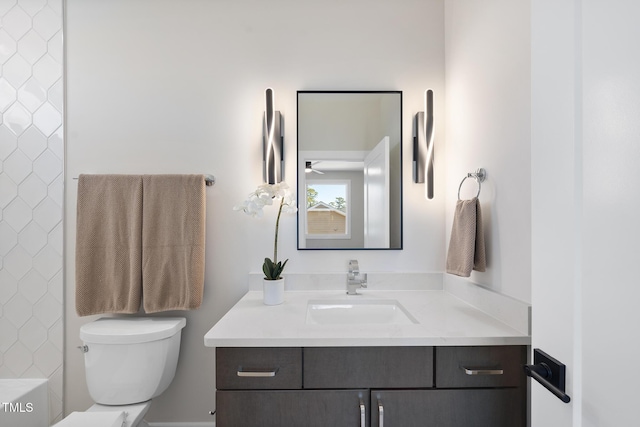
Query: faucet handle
point(353, 266)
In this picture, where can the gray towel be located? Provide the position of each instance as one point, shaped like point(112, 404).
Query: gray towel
point(466, 247)
point(173, 239)
point(108, 241)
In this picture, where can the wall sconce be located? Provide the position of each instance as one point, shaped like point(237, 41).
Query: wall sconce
point(272, 143)
point(423, 145)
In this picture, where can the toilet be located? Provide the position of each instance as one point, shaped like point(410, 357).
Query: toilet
point(128, 361)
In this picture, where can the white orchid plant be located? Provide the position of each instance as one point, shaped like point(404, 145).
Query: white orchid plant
point(264, 196)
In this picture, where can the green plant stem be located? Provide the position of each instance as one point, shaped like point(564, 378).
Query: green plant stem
point(275, 241)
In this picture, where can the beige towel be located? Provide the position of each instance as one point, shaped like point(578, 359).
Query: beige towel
point(108, 241)
point(466, 247)
point(173, 239)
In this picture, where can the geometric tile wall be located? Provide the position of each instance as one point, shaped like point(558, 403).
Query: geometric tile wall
point(31, 193)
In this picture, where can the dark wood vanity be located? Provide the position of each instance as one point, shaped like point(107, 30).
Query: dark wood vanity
point(459, 386)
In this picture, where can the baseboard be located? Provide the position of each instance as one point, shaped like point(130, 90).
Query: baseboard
point(176, 424)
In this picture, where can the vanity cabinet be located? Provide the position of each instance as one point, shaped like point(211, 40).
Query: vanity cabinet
point(371, 386)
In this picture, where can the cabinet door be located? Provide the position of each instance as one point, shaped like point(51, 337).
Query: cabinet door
point(284, 408)
point(448, 408)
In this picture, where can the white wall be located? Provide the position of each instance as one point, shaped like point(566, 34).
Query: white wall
point(31, 160)
point(488, 109)
point(166, 86)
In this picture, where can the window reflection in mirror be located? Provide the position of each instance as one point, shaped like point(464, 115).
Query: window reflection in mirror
point(328, 209)
point(352, 140)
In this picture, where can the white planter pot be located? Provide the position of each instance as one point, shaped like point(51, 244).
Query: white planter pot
point(273, 291)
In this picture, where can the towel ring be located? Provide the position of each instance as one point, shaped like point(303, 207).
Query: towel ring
point(479, 175)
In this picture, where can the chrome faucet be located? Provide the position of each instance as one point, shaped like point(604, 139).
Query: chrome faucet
point(355, 281)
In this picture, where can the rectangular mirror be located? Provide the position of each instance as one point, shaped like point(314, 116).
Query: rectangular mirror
point(349, 170)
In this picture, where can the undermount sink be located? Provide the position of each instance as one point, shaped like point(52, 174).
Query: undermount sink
point(358, 311)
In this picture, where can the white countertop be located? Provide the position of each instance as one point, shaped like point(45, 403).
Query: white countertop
point(443, 320)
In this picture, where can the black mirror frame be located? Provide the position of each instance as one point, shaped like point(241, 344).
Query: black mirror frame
point(401, 200)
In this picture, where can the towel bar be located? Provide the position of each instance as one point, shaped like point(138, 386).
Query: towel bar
point(479, 175)
point(209, 180)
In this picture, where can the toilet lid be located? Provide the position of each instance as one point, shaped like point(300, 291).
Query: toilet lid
point(130, 330)
point(93, 419)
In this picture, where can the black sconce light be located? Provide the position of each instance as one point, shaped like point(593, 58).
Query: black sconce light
point(272, 143)
point(423, 145)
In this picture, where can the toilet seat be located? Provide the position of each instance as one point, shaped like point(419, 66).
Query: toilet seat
point(107, 416)
point(93, 419)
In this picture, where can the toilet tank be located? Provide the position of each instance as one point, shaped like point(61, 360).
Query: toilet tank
point(131, 359)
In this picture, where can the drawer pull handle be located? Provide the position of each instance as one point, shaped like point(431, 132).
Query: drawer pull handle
point(254, 373)
point(363, 416)
point(380, 414)
point(481, 371)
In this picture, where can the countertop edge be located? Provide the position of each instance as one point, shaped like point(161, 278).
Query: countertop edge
point(365, 342)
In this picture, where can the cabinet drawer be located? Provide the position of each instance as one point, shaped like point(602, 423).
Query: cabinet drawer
point(286, 408)
point(258, 368)
point(490, 366)
point(368, 367)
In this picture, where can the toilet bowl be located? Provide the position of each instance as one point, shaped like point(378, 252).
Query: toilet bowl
point(128, 361)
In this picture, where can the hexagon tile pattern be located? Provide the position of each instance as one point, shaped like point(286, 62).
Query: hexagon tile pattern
point(31, 159)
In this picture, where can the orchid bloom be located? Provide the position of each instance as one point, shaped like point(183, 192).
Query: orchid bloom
point(264, 196)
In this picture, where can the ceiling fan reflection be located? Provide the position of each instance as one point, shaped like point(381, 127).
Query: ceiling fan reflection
point(309, 168)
